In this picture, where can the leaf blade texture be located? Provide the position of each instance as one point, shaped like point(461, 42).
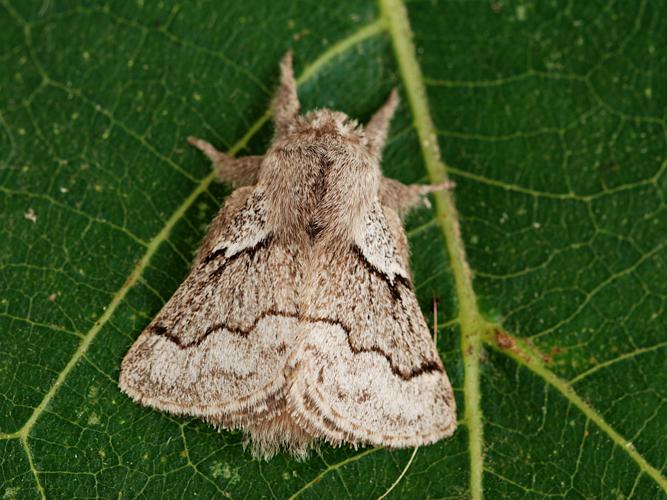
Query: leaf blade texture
point(547, 261)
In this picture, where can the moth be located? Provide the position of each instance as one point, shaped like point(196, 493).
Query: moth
point(298, 321)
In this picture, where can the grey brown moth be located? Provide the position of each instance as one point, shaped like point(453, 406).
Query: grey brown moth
point(298, 321)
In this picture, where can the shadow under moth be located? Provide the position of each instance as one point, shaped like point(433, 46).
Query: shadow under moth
point(298, 321)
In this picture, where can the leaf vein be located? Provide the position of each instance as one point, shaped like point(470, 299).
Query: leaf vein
point(525, 356)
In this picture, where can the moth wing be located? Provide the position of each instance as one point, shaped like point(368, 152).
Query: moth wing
point(218, 347)
point(367, 369)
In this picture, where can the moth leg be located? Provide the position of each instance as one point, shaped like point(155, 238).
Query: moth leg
point(236, 171)
point(404, 197)
point(286, 105)
point(377, 128)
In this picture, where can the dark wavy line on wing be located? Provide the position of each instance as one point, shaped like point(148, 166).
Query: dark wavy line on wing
point(425, 367)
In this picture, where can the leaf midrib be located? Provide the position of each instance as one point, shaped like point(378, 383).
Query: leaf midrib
point(471, 321)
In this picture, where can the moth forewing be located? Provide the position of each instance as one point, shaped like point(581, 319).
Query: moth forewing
point(298, 321)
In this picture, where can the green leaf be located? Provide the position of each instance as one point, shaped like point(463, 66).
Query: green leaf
point(548, 260)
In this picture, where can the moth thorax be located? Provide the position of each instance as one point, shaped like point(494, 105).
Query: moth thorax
point(296, 183)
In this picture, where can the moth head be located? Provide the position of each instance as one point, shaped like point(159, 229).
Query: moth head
point(337, 126)
point(328, 125)
point(324, 125)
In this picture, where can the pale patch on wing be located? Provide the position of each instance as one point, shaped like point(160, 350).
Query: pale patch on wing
point(247, 227)
point(357, 397)
point(227, 372)
point(375, 241)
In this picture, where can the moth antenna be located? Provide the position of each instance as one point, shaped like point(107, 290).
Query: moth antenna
point(378, 126)
point(286, 105)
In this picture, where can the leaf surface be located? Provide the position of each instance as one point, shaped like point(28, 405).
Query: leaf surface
point(548, 260)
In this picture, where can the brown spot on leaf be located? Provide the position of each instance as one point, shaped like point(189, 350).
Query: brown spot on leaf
point(504, 340)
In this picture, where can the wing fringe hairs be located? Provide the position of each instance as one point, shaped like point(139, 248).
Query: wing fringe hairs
point(298, 321)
